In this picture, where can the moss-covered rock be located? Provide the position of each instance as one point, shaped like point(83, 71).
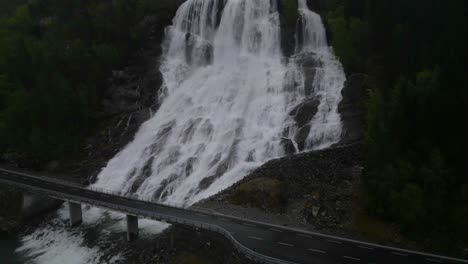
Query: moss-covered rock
point(263, 193)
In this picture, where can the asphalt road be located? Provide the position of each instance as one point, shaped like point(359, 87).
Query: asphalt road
point(279, 242)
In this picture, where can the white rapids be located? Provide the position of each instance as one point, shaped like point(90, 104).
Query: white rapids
point(225, 110)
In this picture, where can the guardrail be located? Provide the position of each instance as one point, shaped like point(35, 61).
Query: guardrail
point(248, 253)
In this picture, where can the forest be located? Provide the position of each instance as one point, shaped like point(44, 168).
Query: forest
point(414, 56)
point(54, 59)
point(56, 55)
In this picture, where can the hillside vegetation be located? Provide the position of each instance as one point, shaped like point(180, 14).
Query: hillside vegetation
point(54, 59)
point(55, 56)
point(414, 56)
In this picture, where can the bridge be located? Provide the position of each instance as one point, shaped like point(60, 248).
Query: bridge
point(261, 242)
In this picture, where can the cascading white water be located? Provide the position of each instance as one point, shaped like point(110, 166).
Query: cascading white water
point(224, 105)
point(226, 108)
point(328, 81)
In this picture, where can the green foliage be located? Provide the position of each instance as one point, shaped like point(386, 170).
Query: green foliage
point(349, 36)
point(54, 58)
point(414, 55)
point(289, 8)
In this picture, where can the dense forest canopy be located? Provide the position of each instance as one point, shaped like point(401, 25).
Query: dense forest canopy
point(55, 56)
point(414, 55)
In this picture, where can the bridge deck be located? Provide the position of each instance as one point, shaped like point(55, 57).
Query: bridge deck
point(259, 241)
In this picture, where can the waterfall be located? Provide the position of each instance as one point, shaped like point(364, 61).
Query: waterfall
point(328, 80)
point(224, 106)
point(230, 102)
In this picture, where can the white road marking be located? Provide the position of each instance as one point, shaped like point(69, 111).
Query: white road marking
point(351, 258)
point(285, 244)
point(399, 254)
point(369, 248)
point(248, 224)
point(316, 250)
point(304, 235)
point(257, 238)
point(334, 241)
point(434, 260)
point(276, 230)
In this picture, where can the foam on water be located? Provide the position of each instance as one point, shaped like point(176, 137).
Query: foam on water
point(90, 243)
point(226, 103)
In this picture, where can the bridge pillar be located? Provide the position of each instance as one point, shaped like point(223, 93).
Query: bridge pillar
point(75, 214)
point(132, 228)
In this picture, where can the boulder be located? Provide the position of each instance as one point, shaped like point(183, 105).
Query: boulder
point(353, 109)
point(304, 112)
point(301, 137)
point(288, 146)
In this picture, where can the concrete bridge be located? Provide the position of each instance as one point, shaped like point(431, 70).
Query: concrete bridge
point(261, 242)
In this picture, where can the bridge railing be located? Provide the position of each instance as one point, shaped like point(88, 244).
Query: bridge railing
point(248, 253)
point(120, 194)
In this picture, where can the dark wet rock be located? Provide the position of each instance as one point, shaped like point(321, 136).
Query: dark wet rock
point(301, 137)
point(304, 112)
point(309, 65)
point(166, 187)
point(206, 182)
point(216, 159)
point(189, 129)
point(353, 109)
point(189, 164)
point(251, 156)
point(144, 174)
point(288, 146)
point(222, 166)
point(307, 60)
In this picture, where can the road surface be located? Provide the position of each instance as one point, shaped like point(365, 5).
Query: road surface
point(275, 244)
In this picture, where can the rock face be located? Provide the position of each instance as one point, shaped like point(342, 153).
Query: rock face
point(304, 112)
point(301, 137)
point(288, 146)
point(318, 186)
point(353, 109)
